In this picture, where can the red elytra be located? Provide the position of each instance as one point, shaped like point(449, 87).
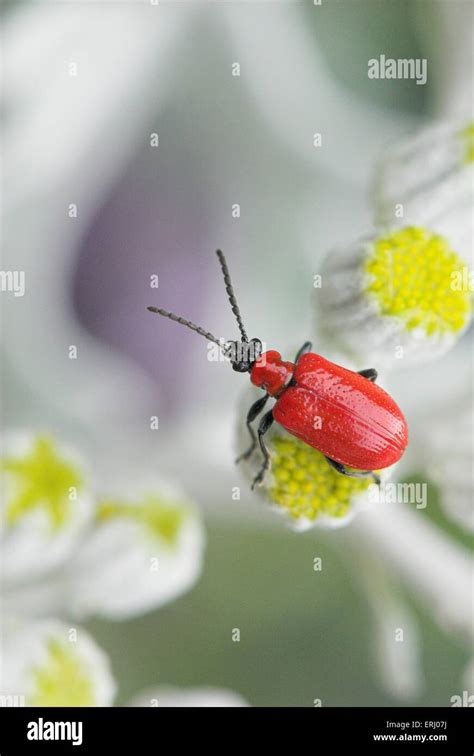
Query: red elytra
point(335, 410)
point(342, 414)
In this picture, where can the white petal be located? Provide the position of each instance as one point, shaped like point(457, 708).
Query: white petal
point(433, 565)
point(429, 176)
point(448, 459)
point(32, 541)
point(51, 664)
point(396, 642)
point(122, 52)
point(448, 34)
point(123, 567)
point(397, 647)
point(280, 83)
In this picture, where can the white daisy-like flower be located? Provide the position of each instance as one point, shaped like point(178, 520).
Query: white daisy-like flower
point(168, 697)
point(116, 551)
point(144, 549)
point(427, 181)
point(47, 663)
point(46, 503)
point(394, 298)
point(70, 551)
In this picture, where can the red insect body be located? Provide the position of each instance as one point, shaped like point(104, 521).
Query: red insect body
point(335, 410)
point(343, 414)
point(270, 373)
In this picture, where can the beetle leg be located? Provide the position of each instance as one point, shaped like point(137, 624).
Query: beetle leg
point(265, 424)
point(353, 473)
point(254, 410)
point(370, 373)
point(307, 347)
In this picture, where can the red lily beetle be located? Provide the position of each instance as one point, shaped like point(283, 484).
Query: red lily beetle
point(343, 414)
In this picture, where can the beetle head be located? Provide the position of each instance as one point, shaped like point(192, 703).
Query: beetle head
point(243, 354)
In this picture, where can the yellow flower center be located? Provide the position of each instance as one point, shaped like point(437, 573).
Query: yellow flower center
point(63, 679)
point(40, 479)
point(467, 136)
point(305, 485)
point(163, 519)
point(412, 276)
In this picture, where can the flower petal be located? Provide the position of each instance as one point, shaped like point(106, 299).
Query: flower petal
point(428, 181)
point(46, 503)
point(50, 664)
point(145, 549)
point(448, 459)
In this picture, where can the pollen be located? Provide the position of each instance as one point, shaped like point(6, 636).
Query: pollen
point(410, 276)
point(467, 137)
point(306, 486)
point(62, 679)
point(162, 519)
point(40, 479)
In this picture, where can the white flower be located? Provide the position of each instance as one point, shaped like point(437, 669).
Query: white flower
point(115, 554)
point(145, 549)
point(48, 663)
point(164, 696)
point(46, 504)
point(428, 181)
point(393, 298)
point(122, 550)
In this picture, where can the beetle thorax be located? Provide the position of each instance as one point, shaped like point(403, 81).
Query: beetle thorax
point(271, 373)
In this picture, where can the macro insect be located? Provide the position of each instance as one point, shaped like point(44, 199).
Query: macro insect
point(343, 414)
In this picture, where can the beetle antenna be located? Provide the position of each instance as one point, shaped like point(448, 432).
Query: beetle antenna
point(187, 323)
point(230, 293)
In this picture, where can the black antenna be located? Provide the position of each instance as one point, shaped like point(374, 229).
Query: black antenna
point(187, 323)
point(230, 293)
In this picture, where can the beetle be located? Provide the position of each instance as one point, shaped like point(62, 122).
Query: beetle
point(341, 413)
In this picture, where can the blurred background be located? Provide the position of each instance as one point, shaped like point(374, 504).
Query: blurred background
point(138, 138)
